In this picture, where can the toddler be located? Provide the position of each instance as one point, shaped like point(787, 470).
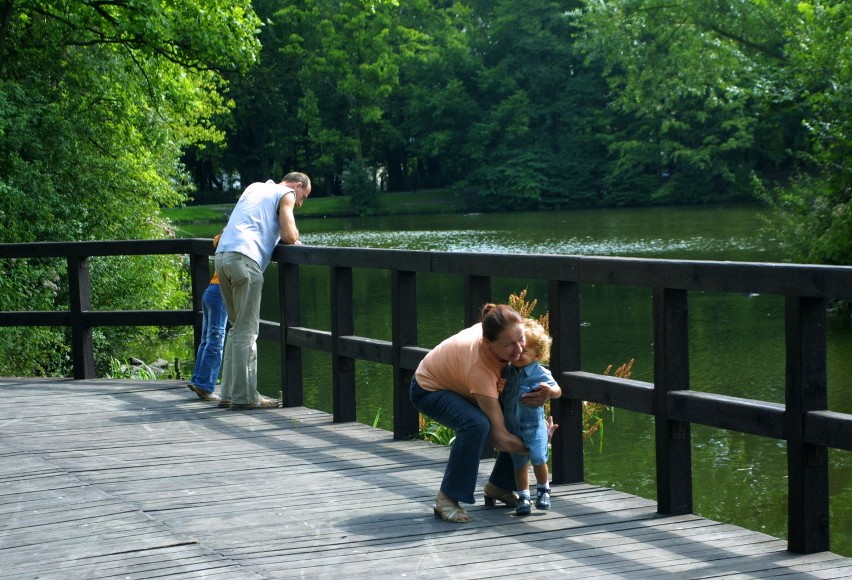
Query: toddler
point(523, 376)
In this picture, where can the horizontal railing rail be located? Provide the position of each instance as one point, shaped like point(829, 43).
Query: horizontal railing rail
point(80, 317)
point(803, 421)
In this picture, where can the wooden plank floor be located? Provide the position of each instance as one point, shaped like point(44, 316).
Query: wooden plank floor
point(107, 479)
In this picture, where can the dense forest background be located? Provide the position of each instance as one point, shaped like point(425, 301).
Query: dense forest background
point(113, 109)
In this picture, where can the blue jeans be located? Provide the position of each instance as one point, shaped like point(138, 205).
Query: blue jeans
point(208, 360)
point(471, 427)
point(534, 437)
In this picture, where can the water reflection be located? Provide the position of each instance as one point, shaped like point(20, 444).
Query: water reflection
point(655, 232)
point(497, 242)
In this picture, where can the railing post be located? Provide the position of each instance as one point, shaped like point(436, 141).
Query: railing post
point(807, 390)
point(406, 419)
point(564, 313)
point(671, 373)
point(342, 324)
point(82, 347)
point(290, 305)
point(477, 293)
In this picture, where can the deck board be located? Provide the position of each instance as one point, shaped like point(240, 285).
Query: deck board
point(104, 479)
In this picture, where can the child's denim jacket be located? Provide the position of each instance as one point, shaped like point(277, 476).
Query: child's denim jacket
point(524, 421)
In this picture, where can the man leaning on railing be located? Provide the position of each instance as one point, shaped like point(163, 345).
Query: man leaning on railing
point(262, 217)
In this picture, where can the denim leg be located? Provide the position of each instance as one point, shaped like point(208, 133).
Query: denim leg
point(242, 283)
point(535, 438)
point(503, 473)
point(471, 427)
point(205, 322)
point(209, 358)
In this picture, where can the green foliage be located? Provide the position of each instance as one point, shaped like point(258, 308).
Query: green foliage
point(434, 432)
point(40, 352)
point(198, 214)
point(717, 93)
point(538, 136)
point(125, 370)
point(33, 285)
point(550, 103)
point(97, 103)
point(814, 214)
point(813, 221)
point(345, 60)
point(360, 185)
point(138, 283)
point(684, 76)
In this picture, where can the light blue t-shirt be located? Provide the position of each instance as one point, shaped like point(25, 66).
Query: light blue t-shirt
point(253, 228)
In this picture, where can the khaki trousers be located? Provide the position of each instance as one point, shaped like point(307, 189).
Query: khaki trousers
point(241, 281)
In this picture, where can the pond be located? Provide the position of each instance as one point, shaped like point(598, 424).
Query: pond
point(736, 341)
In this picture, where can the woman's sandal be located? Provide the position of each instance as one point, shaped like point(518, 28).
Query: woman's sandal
point(449, 510)
point(492, 493)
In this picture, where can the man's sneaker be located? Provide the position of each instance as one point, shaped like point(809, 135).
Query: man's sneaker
point(202, 394)
point(542, 499)
point(224, 403)
point(261, 403)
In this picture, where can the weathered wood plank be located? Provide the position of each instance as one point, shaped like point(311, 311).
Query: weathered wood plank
point(139, 479)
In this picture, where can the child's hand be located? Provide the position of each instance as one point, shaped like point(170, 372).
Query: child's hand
point(538, 396)
point(551, 427)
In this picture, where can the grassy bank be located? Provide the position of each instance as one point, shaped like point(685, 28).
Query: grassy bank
point(393, 203)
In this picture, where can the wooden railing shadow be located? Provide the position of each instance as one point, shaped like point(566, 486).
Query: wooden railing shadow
point(803, 421)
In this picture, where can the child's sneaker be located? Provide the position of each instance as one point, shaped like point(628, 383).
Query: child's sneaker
point(524, 506)
point(542, 499)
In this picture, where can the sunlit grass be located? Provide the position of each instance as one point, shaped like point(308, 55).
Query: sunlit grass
point(435, 201)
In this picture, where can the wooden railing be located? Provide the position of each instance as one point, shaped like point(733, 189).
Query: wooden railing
point(803, 421)
point(81, 318)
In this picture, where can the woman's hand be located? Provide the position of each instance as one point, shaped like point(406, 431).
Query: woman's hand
point(501, 439)
point(540, 396)
point(505, 441)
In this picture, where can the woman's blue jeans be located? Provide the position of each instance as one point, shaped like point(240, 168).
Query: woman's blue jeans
point(471, 427)
point(208, 360)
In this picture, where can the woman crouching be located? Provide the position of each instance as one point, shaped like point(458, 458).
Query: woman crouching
point(456, 384)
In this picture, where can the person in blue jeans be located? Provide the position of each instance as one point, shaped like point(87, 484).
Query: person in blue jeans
point(208, 360)
point(523, 376)
point(457, 384)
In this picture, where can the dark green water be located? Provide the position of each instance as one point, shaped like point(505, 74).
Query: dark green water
point(736, 341)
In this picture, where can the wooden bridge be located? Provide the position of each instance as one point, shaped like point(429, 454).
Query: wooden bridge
point(108, 478)
point(141, 479)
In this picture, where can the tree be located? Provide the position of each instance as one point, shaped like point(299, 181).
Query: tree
point(723, 90)
point(344, 58)
point(539, 138)
point(435, 102)
point(814, 214)
point(97, 102)
point(684, 75)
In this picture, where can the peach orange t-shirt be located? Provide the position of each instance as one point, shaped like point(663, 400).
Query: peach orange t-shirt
point(463, 364)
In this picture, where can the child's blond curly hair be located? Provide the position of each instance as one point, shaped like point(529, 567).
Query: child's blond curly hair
point(536, 336)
